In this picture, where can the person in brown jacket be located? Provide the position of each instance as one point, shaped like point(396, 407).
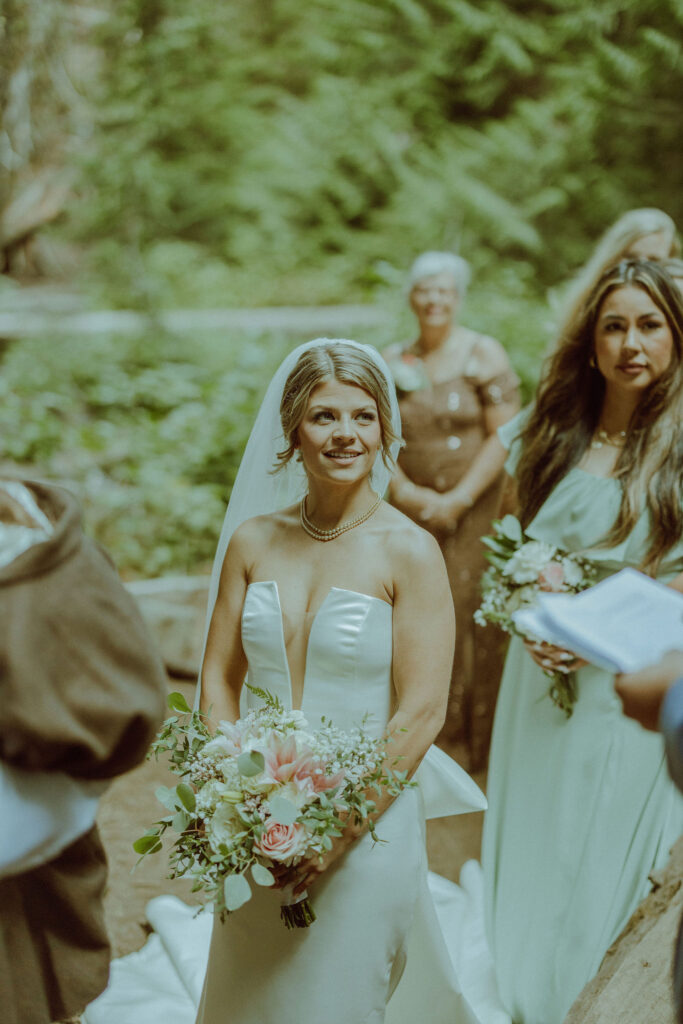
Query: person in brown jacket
point(81, 694)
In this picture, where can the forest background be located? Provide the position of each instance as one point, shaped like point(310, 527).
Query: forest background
point(247, 153)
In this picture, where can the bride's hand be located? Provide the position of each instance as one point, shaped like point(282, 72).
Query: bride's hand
point(305, 873)
point(308, 871)
point(553, 659)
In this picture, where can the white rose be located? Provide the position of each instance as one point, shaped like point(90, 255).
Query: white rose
point(209, 796)
point(220, 746)
point(223, 825)
point(527, 562)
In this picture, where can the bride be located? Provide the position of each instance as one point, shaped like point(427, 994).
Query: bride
point(339, 605)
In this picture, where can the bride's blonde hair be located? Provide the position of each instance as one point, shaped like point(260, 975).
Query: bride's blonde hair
point(345, 364)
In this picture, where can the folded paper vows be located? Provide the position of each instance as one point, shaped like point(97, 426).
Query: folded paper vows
point(622, 624)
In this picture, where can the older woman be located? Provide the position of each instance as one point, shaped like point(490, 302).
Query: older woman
point(582, 809)
point(456, 387)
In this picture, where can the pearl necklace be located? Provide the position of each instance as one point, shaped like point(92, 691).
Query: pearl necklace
point(616, 440)
point(319, 534)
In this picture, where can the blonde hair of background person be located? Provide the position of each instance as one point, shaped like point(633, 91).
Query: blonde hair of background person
point(571, 403)
point(645, 233)
point(674, 267)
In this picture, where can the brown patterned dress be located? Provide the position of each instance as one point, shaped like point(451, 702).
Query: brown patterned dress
point(444, 429)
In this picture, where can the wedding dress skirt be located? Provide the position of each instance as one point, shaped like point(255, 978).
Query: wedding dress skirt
point(387, 945)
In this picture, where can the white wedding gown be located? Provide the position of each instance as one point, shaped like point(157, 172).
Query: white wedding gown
point(392, 943)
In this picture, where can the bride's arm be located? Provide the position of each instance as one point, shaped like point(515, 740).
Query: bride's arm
point(424, 640)
point(225, 664)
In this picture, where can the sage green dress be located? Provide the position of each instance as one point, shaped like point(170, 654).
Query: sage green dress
point(581, 810)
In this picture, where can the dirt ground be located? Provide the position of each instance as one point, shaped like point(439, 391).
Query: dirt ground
point(129, 807)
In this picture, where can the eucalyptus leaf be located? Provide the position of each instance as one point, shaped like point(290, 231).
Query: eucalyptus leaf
point(496, 560)
point(147, 844)
point(237, 891)
point(261, 874)
point(177, 702)
point(511, 528)
point(497, 546)
point(251, 763)
point(186, 796)
point(180, 821)
point(166, 796)
point(282, 810)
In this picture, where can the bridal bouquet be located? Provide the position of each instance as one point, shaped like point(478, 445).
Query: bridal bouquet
point(520, 568)
point(261, 794)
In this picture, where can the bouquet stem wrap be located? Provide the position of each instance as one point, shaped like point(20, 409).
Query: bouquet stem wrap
point(296, 911)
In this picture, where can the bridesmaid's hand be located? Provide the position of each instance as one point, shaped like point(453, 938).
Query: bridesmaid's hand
point(436, 515)
point(553, 659)
point(444, 512)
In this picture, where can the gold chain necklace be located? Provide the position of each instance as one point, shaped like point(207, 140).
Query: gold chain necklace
point(615, 440)
point(319, 534)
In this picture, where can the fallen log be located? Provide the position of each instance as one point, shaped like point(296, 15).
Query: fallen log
point(633, 985)
point(297, 320)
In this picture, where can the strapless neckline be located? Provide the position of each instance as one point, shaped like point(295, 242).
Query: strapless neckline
point(273, 587)
point(341, 590)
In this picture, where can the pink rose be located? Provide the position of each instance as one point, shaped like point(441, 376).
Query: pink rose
point(283, 843)
point(551, 579)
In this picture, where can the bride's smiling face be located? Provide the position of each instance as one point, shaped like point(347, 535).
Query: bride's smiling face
point(340, 433)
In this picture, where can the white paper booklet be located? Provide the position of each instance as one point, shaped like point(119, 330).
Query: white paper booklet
point(622, 624)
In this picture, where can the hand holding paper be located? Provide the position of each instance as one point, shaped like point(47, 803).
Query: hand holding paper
point(622, 624)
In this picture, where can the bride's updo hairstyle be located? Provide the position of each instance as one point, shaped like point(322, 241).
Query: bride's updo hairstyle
point(333, 360)
point(567, 410)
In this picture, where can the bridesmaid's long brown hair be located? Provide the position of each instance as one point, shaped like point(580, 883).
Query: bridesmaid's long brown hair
point(567, 410)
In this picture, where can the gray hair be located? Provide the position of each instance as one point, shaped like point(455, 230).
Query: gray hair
point(430, 263)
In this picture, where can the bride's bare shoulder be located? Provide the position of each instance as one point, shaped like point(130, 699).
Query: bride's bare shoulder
point(407, 543)
point(259, 530)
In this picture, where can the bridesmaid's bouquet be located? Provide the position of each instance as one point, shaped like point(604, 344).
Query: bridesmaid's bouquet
point(260, 796)
point(520, 568)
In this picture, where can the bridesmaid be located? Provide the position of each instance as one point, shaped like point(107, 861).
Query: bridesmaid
point(581, 810)
point(456, 387)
